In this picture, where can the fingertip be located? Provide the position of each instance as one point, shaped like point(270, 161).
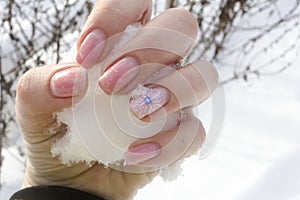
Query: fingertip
point(112, 17)
point(188, 22)
point(23, 88)
point(208, 73)
point(48, 89)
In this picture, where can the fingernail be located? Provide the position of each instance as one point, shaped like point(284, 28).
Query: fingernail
point(145, 101)
point(141, 153)
point(91, 48)
point(119, 75)
point(70, 82)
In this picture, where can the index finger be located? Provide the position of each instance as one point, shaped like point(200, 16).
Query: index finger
point(108, 18)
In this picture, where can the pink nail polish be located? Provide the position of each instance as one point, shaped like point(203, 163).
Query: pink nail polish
point(145, 101)
point(141, 153)
point(119, 75)
point(70, 82)
point(91, 48)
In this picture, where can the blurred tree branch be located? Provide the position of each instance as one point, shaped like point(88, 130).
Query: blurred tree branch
point(2, 122)
point(220, 22)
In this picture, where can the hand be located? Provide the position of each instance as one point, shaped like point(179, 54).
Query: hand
point(46, 90)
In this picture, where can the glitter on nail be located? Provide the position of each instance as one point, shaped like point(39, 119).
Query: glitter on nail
point(148, 100)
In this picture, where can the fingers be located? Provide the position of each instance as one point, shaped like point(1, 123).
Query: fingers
point(45, 90)
point(108, 18)
point(164, 40)
point(190, 85)
point(169, 146)
point(183, 88)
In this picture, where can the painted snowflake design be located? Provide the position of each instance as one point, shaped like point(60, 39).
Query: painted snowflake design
point(145, 101)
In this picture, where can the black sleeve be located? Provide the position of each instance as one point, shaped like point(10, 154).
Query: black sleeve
point(52, 193)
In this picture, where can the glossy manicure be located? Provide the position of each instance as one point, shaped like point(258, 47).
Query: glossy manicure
point(119, 75)
point(70, 82)
point(91, 48)
point(141, 153)
point(145, 101)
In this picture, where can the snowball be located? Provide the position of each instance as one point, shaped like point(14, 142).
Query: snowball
point(100, 126)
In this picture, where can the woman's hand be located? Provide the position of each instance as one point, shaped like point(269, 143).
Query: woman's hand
point(46, 90)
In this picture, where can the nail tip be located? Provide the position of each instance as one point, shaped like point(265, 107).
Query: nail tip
point(103, 87)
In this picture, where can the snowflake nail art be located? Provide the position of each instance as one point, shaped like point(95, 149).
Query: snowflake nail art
point(145, 101)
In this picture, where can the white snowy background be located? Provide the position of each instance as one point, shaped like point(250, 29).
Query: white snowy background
point(257, 156)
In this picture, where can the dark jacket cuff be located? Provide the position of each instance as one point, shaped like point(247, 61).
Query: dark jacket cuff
point(52, 193)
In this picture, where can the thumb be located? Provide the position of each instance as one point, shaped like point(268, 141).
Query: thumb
point(44, 90)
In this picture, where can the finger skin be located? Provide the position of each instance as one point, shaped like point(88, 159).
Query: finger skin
point(35, 103)
point(187, 137)
point(189, 86)
point(171, 36)
point(34, 108)
point(112, 16)
point(163, 41)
